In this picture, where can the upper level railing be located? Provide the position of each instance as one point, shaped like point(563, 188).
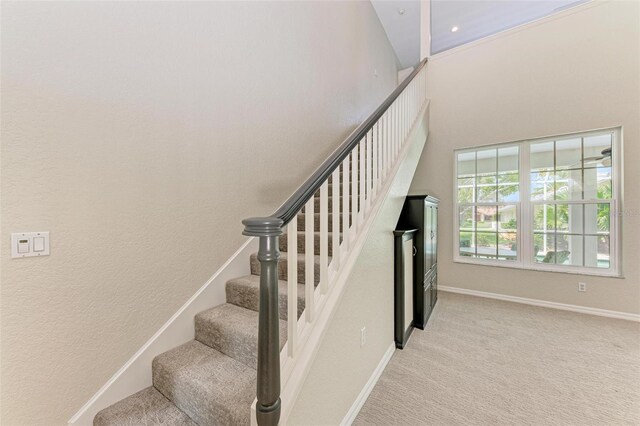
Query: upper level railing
point(354, 173)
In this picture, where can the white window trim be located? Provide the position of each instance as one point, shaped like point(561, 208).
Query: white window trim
point(524, 209)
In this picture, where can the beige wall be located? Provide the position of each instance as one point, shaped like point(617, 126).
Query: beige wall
point(576, 71)
point(140, 134)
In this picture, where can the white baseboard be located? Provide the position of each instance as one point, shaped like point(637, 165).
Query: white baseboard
point(544, 303)
point(135, 374)
point(366, 390)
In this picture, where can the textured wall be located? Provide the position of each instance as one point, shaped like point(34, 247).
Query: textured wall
point(140, 134)
point(576, 71)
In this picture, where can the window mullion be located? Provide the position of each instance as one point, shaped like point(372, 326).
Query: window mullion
point(525, 224)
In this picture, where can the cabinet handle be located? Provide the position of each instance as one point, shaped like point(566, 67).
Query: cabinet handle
point(415, 250)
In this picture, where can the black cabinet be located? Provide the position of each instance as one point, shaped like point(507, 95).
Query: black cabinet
point(421, 212)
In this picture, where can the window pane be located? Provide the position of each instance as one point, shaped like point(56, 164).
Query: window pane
point(569, 218)
point(568, 185)
point(487, 162)
point(467, 244)
point(542, 156)
point(544, 218)
point(507, 218)
point(597, 183)
point(597, 251)
point(569, 154)
point(486, 189)
point(508, 159)
point(569, 250)
point(486, 218)
point(507, 246)
point(467, 218)
point(466, 164)
point(466, 190)
point(487, 244)
point(508, 187)
point(597, 151)
point(542, 185)
point(597, 218)
point(544, 248)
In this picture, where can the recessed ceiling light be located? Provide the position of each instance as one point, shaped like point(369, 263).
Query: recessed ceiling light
point(401, 11)
point(454, 29)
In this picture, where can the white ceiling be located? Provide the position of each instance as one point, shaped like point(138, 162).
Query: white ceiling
point(480, 18)
point(403, 30)
point(474, 18)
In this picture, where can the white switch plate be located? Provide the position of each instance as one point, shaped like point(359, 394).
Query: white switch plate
point(29, 244)
point(363, 336)
point(582, 286)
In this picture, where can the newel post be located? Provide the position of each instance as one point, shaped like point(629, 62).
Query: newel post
point(268, 229)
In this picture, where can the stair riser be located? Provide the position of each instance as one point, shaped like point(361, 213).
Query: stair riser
point(221, 338)
point(316, 222)
point(282, 268)
point(341, 189)
point(316, 203)
point(301, 243)
point(248, 297)
point(233, 331)
point(186, 386)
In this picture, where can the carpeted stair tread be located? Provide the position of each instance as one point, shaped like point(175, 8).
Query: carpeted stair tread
point(145, 408)
point(245, 292)
point(210, 387)
point(283, 264)
point(233, 330)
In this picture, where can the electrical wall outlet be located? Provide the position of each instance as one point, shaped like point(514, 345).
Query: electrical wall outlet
point(582, 286)
point(363, 336)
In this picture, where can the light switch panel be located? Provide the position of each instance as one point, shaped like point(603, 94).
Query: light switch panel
point(29, 244)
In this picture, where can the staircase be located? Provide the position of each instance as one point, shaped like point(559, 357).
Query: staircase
point(212, 379)
point(240, 345)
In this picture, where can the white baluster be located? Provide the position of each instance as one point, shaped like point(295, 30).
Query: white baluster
point(387, 142)
point(374, 151)
point(292, 286)
point(396, 133)
point(362, 146)
point(324, 236)
point(309, 276)
point(383, 148)
point(354, 191)
point(369, 169)
point(335, 219)
point(406, 116)
point(345, 206)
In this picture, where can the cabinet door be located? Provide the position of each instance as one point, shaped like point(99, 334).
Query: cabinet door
point(408, 285)
point(428, 238)
point(427, 302)
point(434, 289)
point(434, 239)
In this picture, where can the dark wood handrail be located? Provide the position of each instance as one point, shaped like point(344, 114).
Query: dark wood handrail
point(296, 202)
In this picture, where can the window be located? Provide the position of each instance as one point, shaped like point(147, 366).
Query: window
point(544, 204)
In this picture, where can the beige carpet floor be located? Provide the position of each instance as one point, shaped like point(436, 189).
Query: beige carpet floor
point(488, 362)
